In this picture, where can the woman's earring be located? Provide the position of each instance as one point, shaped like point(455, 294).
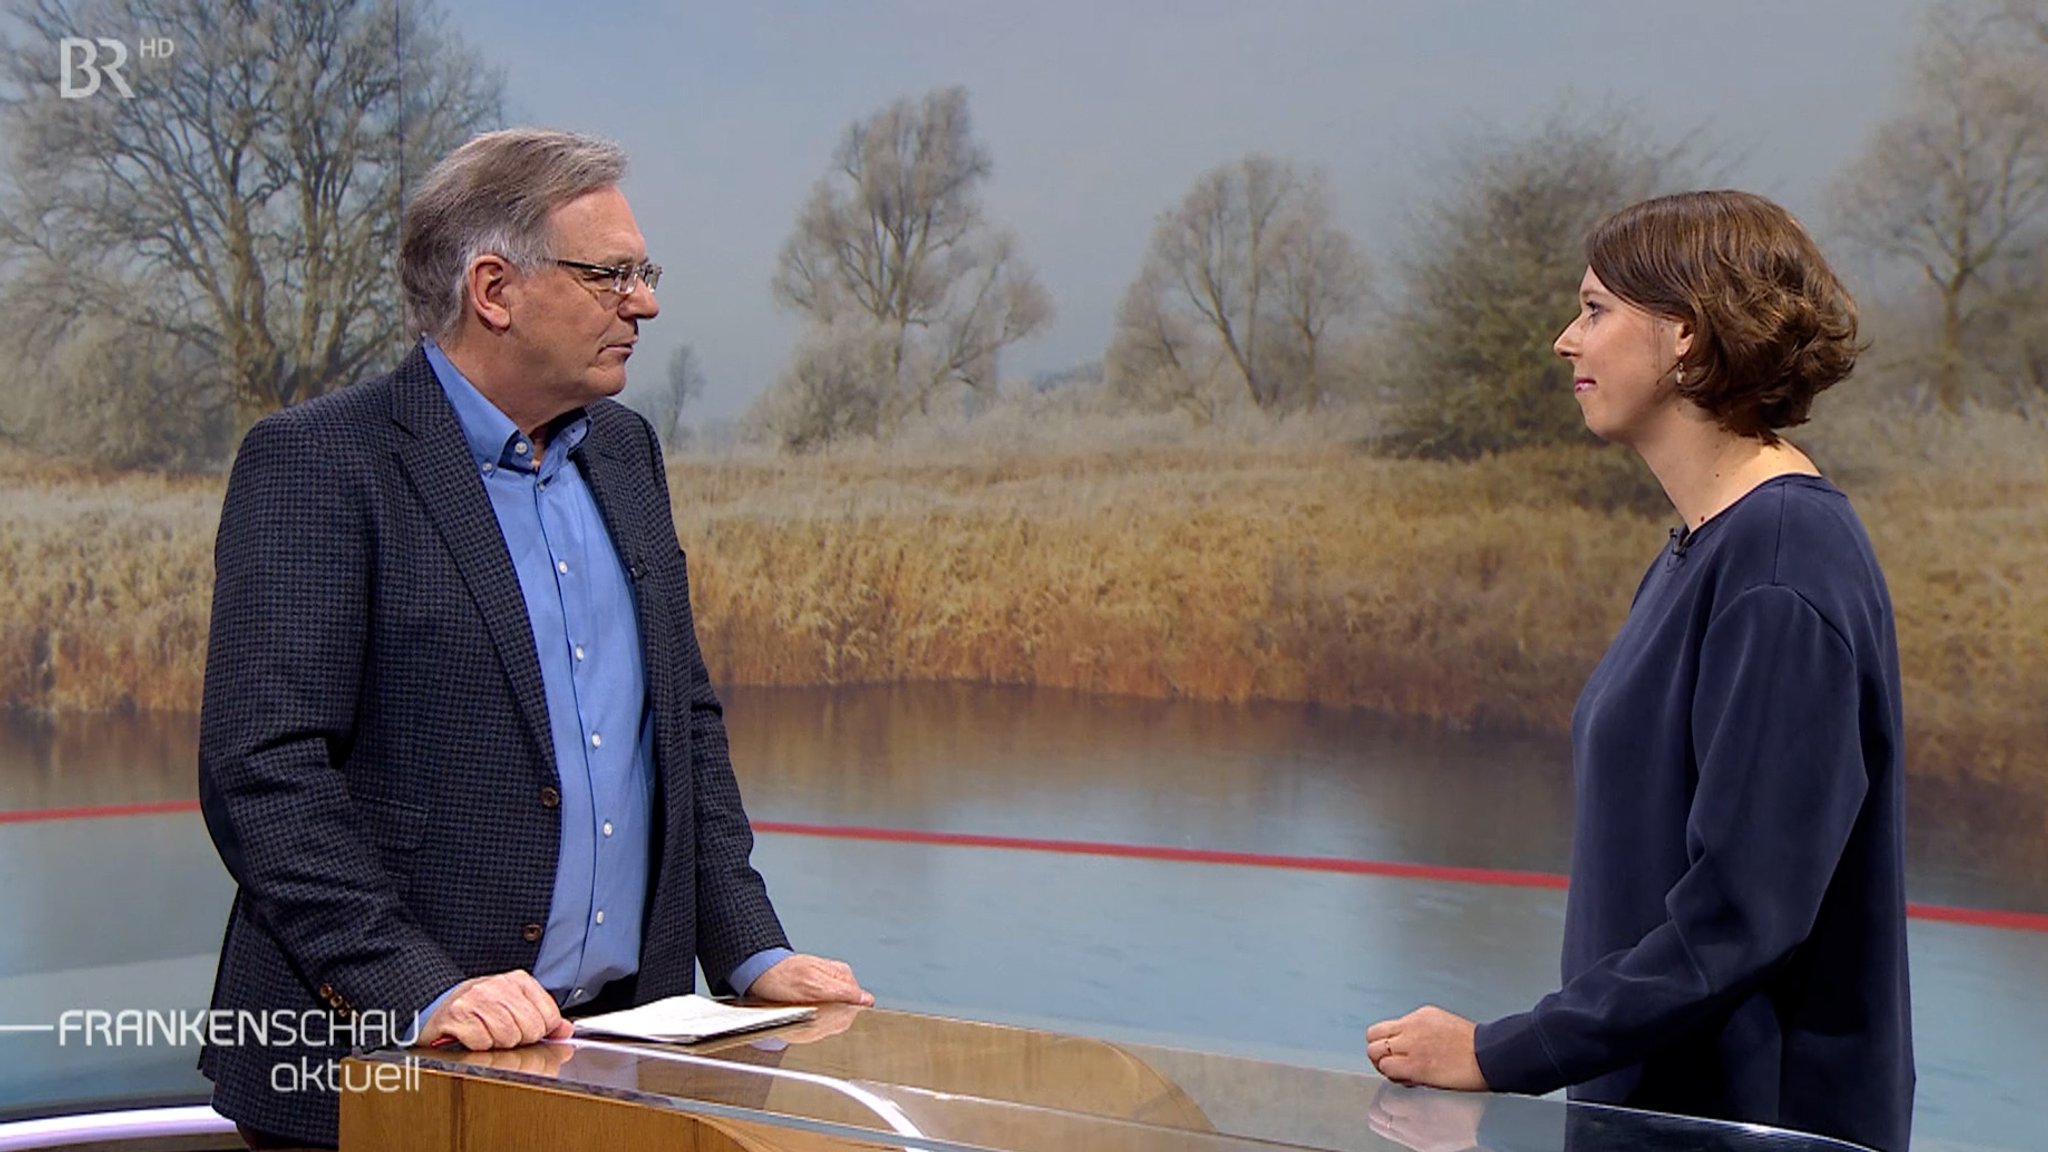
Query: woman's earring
point(1678, 376)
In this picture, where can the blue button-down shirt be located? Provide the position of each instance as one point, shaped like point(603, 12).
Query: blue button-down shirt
point(586, 634)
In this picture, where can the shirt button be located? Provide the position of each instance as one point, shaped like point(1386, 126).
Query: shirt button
point(596, 741)
point(607, 827)
point(530, 933)
point(600, 915)
point(562, 566)
point(579, 651)
point(520, 448)
point(490, 468)
point(543, 485)
point(549, 798)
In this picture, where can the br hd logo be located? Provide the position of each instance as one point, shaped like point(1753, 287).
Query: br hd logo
point(86, 64)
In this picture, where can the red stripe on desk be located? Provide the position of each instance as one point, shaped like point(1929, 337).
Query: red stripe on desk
point(1493, 877)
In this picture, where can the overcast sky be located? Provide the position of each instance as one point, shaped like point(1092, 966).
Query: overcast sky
point(1101, 114)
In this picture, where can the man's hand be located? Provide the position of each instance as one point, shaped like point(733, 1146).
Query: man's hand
point(803, 979)
point(1428, 1046)
point(502, 1011)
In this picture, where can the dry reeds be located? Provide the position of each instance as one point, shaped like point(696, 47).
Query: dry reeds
point(1263, 562)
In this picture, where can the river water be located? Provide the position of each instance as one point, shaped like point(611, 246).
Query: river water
point(1271, 962)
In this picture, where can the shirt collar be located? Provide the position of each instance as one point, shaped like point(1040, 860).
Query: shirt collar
point(492, 436)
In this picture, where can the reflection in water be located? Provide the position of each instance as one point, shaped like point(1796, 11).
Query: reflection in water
point(1284, 779)
point(82, 761)
point(1279, 778)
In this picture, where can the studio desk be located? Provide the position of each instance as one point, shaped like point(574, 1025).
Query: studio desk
point(871, 1079)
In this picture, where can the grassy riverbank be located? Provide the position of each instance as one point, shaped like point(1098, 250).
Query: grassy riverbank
point(1275, 563)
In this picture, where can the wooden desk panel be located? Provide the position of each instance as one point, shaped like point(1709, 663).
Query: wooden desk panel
point(448, 1111)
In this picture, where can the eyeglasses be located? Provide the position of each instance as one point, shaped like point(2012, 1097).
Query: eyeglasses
point(623, 277)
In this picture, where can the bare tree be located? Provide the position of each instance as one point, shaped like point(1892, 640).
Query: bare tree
point(244, 202)
point(112, 395)
point(1159, 356)
point(2020, 303)
point(1320, 281)
point(833, 389)
point(1245, 278)
point(685, 378)
point(1956, 188)
point(2025, 19)
point(895, 239)
point(662, 403)
point(1494, 276)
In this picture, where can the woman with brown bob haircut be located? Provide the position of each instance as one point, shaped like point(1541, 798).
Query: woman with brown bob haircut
point(1735, 933)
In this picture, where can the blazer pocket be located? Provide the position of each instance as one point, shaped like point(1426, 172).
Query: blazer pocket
point(397, 829)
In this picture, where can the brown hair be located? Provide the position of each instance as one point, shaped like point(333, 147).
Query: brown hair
point(1772, 324)
point(493, 194)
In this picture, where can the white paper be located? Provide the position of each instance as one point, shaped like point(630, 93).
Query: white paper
point(688, 1019)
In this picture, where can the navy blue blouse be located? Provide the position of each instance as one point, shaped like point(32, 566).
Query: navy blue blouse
point(1735, 933)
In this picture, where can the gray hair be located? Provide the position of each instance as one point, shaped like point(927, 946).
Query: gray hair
point(492, 195)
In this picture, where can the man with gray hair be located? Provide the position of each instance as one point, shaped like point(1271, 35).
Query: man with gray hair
point(458, 748)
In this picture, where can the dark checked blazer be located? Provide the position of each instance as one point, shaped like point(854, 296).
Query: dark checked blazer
point(375, 764)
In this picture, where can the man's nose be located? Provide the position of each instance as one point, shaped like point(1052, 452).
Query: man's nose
point(641, 305)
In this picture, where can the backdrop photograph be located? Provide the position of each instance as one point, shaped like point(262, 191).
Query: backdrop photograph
point(1137, 522)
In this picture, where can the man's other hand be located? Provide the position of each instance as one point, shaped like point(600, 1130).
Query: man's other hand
point(502, 1011)
point(803, 979)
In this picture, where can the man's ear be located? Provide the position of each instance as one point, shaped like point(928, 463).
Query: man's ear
point(489, 280)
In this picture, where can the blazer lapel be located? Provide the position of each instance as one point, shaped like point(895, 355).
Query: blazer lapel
point(436, 460)
point(616, 486)
point(630, 503)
